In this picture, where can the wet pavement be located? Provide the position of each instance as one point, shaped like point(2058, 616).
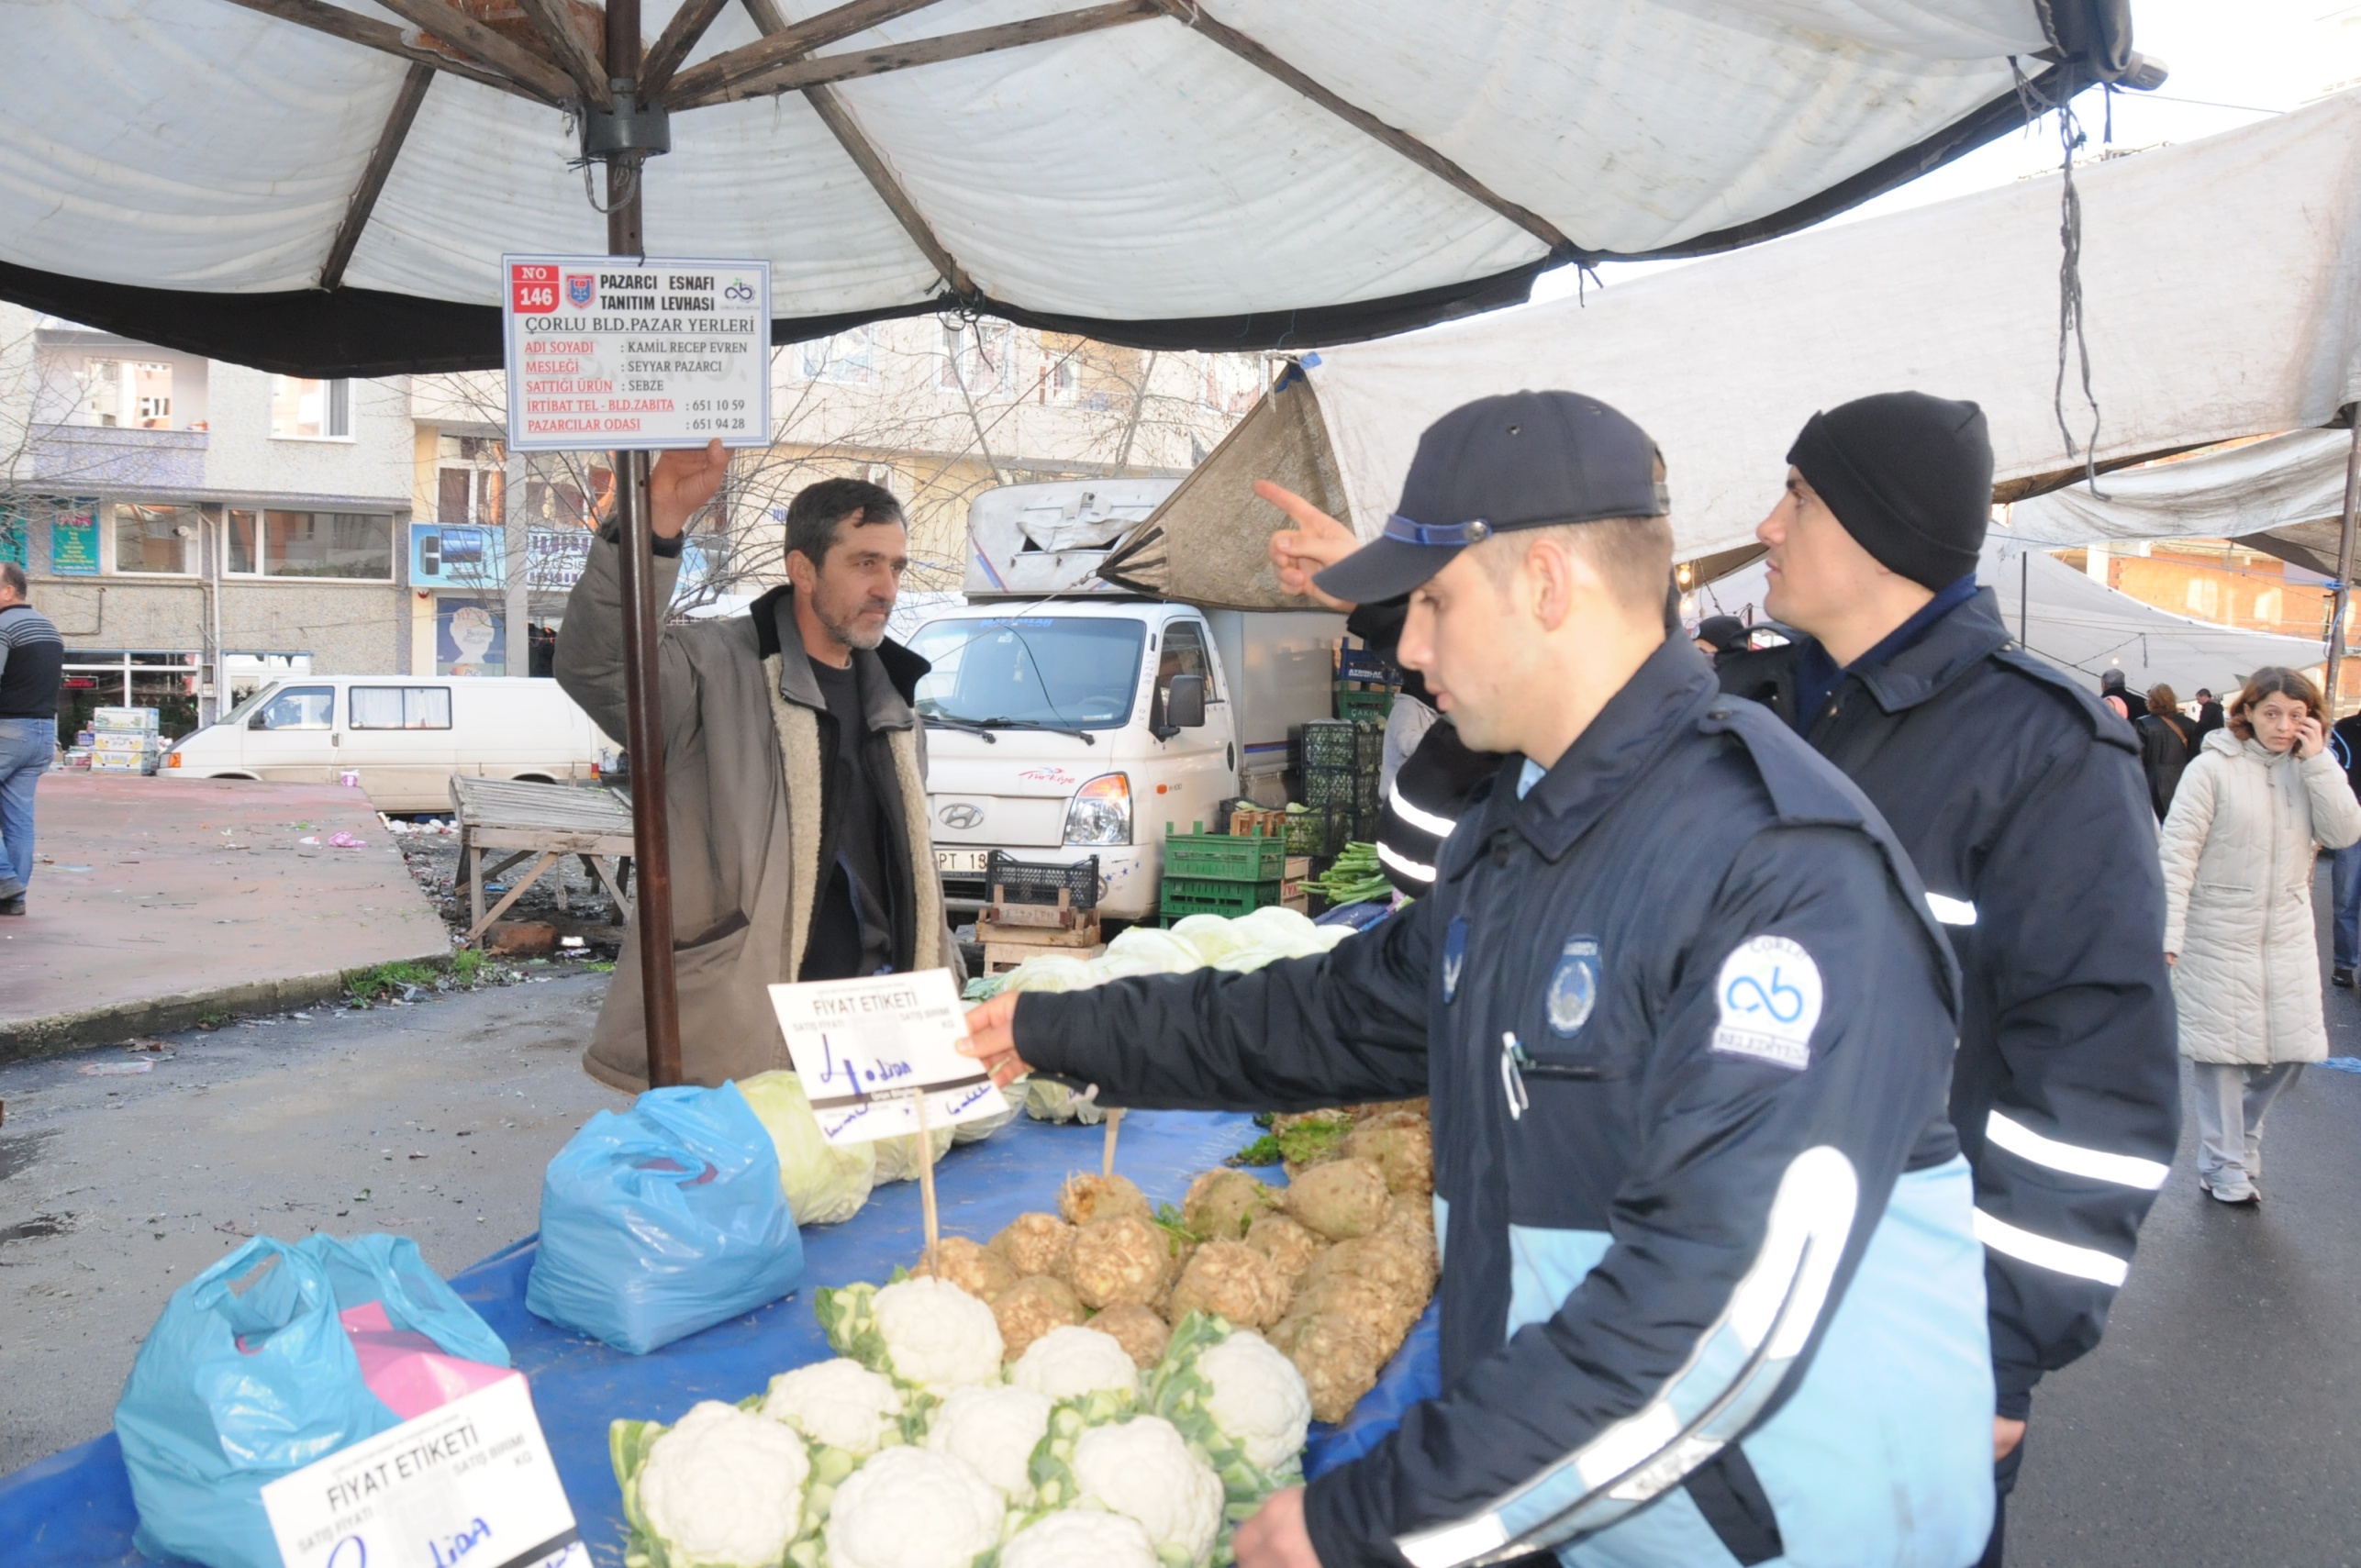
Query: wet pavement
point(2217, 1422)
point(125, 1172)
point(157, 900)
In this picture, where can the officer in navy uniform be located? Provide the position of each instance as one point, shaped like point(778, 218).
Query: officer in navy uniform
point(1710, 1292)
point(2022, 801)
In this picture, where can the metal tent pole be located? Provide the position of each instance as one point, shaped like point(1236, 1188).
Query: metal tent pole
point(2343, 593)
point(642, 621)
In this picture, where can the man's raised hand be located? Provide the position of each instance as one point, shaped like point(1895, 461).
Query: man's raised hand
point(1316, 542)
point(680, 483)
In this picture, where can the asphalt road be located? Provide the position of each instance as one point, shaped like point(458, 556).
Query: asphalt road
point(123, 1173)
point(2215, 1426)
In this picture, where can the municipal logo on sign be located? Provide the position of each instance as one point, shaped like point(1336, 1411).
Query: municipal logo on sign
point(580, 288)
point(1769, 996)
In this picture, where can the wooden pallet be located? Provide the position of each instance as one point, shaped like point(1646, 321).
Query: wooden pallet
point(549, 820)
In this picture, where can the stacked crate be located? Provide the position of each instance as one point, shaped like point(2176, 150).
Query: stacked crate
point(1223, 873)
point(1037, 907)
point(124, 740)
point(1365, 684)
point(1341, 761)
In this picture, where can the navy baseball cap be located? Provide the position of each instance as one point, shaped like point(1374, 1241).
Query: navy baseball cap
point(1525, 460)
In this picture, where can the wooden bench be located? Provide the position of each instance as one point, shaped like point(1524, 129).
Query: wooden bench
point(549, 820)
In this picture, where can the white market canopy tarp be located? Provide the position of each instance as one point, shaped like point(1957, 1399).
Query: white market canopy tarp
point(2080, 624)
point(2288, 480)
point(2220, 280)
point(325, 186)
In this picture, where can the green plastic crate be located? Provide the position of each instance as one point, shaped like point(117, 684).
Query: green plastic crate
point(1224, 857)
point(1366, 706)
point(1199, 896)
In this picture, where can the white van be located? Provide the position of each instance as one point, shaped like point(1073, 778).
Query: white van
point(403, 735)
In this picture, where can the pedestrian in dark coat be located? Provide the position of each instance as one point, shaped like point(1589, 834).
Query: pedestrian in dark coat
point(2168, 742)
point(1675, 997)
point(2111, 684)
point(2021, 798)
point(2209, 719)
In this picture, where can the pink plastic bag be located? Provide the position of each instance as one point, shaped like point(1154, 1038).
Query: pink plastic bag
point(405, 1370)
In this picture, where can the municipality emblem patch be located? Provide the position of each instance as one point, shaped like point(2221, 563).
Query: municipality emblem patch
point(1573, 985)
point(1768, 994)
point(580, 288)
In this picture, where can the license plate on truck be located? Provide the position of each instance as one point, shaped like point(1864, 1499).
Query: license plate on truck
point(960, 862)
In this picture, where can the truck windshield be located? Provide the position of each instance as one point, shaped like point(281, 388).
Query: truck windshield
point(1071, 672)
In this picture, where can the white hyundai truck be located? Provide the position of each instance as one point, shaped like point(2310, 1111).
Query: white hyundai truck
point(1067, 719)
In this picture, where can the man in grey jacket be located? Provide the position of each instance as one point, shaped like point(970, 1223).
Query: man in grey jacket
point(795, 774)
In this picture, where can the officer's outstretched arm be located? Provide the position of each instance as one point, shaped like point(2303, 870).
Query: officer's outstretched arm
point(1801, 1054)
point(1347, 1026)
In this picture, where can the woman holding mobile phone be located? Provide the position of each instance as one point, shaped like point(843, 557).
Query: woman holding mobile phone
point(2261, 797)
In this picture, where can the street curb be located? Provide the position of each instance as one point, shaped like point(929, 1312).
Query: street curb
point(24, 1039)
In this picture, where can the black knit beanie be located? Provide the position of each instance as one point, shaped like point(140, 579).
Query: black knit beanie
point(1909, 476)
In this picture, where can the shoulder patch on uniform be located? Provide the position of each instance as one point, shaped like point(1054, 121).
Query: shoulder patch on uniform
point(2105, 724)
point(1769, 999)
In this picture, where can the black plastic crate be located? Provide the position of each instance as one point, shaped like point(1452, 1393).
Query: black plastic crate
point(1363, 664)
point(1320, 831)
point(1012, 881)
point(1349, 789)
point(1343, 743)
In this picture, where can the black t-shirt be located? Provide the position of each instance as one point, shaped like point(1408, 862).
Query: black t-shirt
point(852, 930)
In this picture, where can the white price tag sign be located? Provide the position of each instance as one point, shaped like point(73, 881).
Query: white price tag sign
point(633, 351)
point(470, 1483)
point(866, 1049)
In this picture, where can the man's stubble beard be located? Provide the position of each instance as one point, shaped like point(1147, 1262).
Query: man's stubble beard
point(841, 628)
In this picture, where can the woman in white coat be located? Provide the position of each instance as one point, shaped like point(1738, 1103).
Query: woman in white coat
point(2238, 848)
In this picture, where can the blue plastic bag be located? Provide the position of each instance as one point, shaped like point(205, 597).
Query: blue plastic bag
point(250, 1375)
point(663, 1220)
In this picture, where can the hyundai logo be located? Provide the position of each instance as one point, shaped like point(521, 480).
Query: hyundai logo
point(960, 815)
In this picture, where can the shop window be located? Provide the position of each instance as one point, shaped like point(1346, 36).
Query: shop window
point(303, 407)
point(297, 707)
point(156, 539)
point(400, 708)
point(977, 356)
point(849, 357)
point(312, 544)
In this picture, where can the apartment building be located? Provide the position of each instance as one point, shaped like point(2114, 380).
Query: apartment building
point(189, 523)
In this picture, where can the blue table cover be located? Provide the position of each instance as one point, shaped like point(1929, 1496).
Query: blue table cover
point(74, 1508)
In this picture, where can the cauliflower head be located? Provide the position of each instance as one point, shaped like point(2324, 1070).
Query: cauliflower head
point(995, 1430)
point(1258, 1398)
point(1069, 1362)
point(925, 1331)
point(1143, 1469)
point(840, 1403)
point(724, 1486)
point(914, 1507)
point(1081, 1537)
point(1239, 1401)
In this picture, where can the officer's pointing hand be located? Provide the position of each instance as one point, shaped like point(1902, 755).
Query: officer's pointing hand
point(991, 1038)
point(1316, 542)
point(680, 483)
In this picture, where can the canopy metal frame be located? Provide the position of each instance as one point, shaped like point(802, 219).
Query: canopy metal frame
point(338, 330)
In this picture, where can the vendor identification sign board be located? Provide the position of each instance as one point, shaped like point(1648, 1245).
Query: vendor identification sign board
point(470, 1482)
point(866, 1050)
point(636, 352)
